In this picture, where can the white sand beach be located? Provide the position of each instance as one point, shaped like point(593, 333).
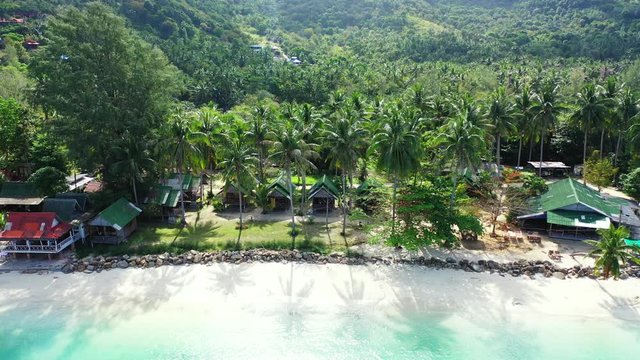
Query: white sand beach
point(264, 301)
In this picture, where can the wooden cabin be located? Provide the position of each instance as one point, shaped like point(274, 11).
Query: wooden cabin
point(231, 197)
point(323, 195)
point(279, 196)
point(114, 224)
point(168, 199)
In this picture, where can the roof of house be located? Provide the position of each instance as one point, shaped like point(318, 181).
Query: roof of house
point(78, 181)
point(81, 198)
point(164, 196)
point(324, 183)
point(93, 186)
point(549, 165)
point(189, 182)
point(280, 186)
point(119, 214)
point(19, 193)
point(568, 192)
point(578, 219)
point(34, 225)
point(65, 209)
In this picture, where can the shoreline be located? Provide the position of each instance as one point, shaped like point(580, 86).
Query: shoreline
point(533, 269)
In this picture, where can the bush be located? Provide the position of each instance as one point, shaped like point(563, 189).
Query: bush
point(631, 183)
point(49, 181)
point(534, 185)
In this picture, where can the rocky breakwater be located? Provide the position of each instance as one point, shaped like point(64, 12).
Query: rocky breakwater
point(520, 268)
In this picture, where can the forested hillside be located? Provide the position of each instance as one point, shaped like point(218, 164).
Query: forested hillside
point(136, 68)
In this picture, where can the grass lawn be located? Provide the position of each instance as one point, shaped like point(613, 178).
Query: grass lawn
point(212, 233)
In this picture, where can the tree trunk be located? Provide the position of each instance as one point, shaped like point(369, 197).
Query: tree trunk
point(530, 148)
point(135, 192)
point(584, 152)
point(303, 200)
point(393, 205)
point(602, 143)
point(261, 164)
point(615, 159)
point(455, 186)
point(520, 150)
point(293, 214)
point(344, 203)
point(541, 153)
point(241, 209)
point(498, 153)
point(181, 179)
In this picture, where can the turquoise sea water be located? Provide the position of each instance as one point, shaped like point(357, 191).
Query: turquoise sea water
point(298, 335)
point(210, 317)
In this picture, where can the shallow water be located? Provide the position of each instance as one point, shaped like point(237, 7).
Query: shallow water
point(292, 322)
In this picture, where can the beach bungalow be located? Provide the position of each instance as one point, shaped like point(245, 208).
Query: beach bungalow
point(549, 168)
point(323, 195)
point(114, 224)
point(167, 198)
point(65, 209)
point(19, 195)
point(279, 195)
point(81, 198)
point(573, 211)
point(231, 197)
point(37, 233)
point(189, 184)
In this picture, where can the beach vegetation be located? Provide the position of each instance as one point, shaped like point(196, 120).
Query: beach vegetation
point(611, 251)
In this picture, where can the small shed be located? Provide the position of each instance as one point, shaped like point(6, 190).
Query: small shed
point(549, 168)
point(323, 195)
point(19, 194)
point(231, 197)
point(279, 195)
point(114, 224)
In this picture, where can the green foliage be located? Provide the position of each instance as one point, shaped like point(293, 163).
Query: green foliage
point(429, 220)
point(611, 252)
point(631, 183)
point(600, 172)
point(534, 185)
point(14, 132)
point(100, 103)
point(49, 181)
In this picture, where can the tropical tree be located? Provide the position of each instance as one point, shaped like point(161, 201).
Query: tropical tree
point(611, 252)
point(501, 115)
point(344, 138)
point(546, 109)
point(524, 118)
point(133, 158)
point(238, 163)
point(399, 150)
point(627, 110)
point(258, 133)
point(463, 143)
point(184, 141)
point(290, 150)
point(591, 107)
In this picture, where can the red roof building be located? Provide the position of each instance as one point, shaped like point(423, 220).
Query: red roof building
point(36, 232)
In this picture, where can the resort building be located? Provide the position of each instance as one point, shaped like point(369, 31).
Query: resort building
point(571, 210)
point(231, 197)
point(279, 195)
point(17, 195)
point(167, 199)
point(114, 224)
point(323, 195)
point(549, 168)
point(190, 185)
point(37, 233)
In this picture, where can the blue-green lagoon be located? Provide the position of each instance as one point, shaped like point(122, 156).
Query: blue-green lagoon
point(299, 311)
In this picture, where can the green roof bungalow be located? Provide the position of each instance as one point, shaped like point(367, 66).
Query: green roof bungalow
point(573, 211)
point(279, 195)
point(231, 195)
point(19, 195)
point(323, 195)
point(114, 224)
point(189, 184)
point(66, 209)
point(166, 198)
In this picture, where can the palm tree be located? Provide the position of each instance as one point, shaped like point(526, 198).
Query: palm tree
point(610, 94)
point(546, 109)
point(208, 124)
point(290, 150)
point(135, 159)
point(399, 150)
point(463, 142)
point(258, 134)
point(344, 138)
point(611, 251)
point(591, 107)
point(238, 162)
point(524, 117)
point(627, 110)
point(184, 140)
point(501, 116)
